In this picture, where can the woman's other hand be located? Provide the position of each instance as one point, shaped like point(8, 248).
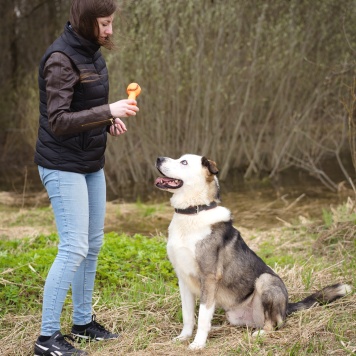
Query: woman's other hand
point(118, 128)
point(124, 108)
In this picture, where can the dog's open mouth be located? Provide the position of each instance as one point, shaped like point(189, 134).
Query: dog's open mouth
point(168, 183)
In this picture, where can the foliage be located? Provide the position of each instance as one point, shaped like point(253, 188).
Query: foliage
point(123, 261)
point(123, 258)
point(255, 85)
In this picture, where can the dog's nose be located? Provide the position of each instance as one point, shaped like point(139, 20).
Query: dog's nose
point(159, 161)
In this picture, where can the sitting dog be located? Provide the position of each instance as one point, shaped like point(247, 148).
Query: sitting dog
point(213, 262)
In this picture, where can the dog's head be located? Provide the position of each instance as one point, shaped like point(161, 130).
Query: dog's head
point(191, 178)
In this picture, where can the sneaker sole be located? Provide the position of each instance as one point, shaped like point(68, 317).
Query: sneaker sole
point(79, 338)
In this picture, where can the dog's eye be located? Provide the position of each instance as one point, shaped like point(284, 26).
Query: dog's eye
point(184, 162)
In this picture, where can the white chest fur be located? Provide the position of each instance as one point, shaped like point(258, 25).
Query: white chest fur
point(184, 232)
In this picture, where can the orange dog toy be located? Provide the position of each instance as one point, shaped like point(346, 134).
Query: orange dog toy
point(133, 90)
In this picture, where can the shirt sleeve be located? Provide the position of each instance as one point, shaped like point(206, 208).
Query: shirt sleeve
point(61, 77)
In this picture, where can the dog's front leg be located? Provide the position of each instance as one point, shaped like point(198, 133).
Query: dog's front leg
point(206, 312)
point(204, 325)
point(188, 306)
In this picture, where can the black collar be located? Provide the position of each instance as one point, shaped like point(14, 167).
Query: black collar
point(196, 209)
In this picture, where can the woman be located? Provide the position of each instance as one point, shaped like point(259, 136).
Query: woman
point(74, 120)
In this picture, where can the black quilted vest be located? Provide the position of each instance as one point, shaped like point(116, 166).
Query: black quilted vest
point(80, 152)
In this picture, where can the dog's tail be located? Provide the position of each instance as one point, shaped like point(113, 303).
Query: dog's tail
point(324, 296)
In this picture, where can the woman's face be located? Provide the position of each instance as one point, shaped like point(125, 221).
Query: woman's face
point(105, 28)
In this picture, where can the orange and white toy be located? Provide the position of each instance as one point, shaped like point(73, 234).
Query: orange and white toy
point(133, 90)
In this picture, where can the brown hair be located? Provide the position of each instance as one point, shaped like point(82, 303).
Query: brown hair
point(83, 18)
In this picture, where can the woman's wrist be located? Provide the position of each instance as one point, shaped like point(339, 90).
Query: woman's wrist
point(110, 108)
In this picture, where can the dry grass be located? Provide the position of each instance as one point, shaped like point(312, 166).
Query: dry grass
point(321, 330)
point(148, 326)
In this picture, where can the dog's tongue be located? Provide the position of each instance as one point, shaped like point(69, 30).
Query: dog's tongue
point(167, 182)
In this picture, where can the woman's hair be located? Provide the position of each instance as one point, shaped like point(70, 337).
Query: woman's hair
point(83, 18)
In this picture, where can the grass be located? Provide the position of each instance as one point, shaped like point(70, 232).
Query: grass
point(136, 288)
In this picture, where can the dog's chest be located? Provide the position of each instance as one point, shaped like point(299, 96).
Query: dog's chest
point(184, 234)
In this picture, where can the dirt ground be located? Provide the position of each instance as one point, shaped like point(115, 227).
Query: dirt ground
point(259, 209)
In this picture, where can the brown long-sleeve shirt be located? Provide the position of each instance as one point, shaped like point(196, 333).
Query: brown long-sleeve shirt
point(61, 77)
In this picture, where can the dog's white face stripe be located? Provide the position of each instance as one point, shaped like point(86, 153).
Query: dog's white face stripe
point(187, 168)
point(196, 188)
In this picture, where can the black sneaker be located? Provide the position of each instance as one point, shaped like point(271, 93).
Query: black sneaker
point(92, 331)
point(57, 345)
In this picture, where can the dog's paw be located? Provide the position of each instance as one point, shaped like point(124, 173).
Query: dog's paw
point(259, 333)
point(196, 346)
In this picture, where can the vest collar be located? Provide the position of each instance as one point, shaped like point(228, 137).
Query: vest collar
point(80, 44)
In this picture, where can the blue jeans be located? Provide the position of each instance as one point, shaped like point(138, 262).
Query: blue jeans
point(78, 202)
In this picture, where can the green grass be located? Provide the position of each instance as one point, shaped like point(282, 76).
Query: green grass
point(123, 261)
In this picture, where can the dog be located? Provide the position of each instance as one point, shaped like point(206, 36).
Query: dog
point(212, 261)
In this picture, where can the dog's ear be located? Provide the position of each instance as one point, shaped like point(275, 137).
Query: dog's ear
point(211, 165)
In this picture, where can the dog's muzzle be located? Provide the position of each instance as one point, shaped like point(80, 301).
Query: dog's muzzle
point(166, 182)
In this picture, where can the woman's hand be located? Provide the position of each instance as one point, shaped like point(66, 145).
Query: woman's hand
point(117, 128)
point(124, 108)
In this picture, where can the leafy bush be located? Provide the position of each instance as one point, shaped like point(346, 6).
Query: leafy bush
point(123, 258)
point(123, 261)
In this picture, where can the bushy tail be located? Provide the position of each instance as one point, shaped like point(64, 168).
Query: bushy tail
point(324, 296)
